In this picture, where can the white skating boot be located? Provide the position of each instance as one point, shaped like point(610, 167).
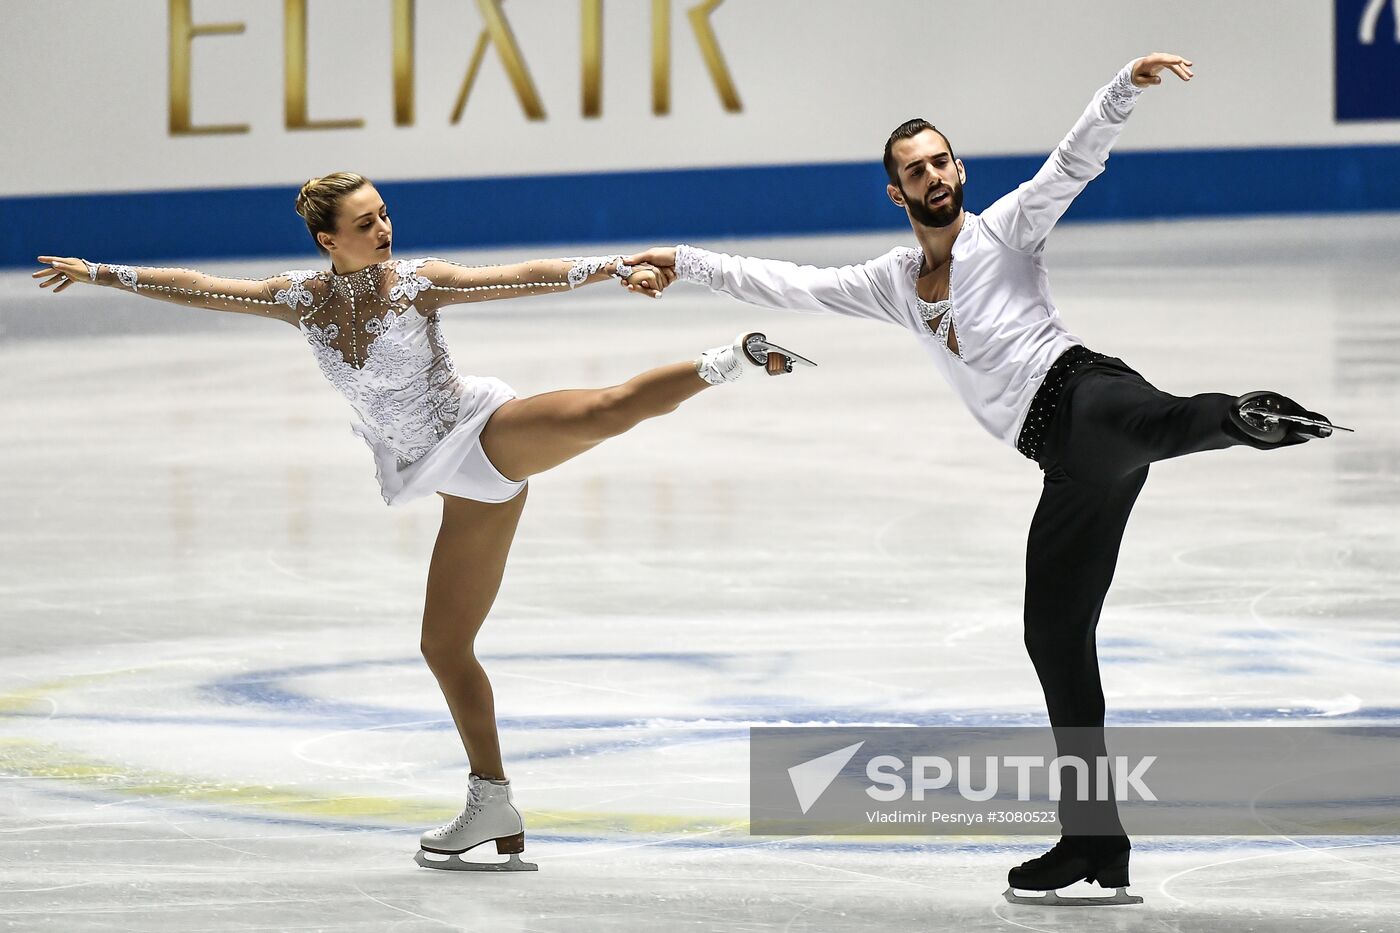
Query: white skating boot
point(748, 351)
point(489, 816)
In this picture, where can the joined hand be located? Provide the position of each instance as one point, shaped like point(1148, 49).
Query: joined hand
point(661, 260)
point(649, 278)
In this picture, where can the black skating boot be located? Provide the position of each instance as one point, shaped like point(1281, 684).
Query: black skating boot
point(1268, 419)
point(1100, 859)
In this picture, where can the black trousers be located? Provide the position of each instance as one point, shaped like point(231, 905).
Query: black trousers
point(1109, 425)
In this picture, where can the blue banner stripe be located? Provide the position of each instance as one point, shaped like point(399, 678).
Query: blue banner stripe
point(685, 204)
point(1368, 72)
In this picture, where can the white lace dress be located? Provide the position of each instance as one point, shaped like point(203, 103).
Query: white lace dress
point(377, 338)
point(419, 416)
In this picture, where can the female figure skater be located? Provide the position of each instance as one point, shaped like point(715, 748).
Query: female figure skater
point(373, 325)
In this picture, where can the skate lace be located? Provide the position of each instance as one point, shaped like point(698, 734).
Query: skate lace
point(727, 362)
point(719, 365)
point(468, 813)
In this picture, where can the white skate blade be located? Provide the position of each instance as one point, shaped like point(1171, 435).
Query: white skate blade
point(757, 347)
point(1055, 899)
point(457, 863)
point(795, 357)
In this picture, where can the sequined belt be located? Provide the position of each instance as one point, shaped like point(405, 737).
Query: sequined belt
point(1036, 427)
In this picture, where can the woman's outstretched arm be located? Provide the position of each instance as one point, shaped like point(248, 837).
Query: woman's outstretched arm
point(456, 283)
point(277, 297)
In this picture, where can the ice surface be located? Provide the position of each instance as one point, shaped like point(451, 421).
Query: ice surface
point(213, 714)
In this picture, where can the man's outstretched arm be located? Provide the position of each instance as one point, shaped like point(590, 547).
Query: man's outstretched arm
point(863, 290)
point(1023, 218)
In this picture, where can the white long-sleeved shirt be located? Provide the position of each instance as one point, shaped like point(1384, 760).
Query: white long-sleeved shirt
point(1007, 329)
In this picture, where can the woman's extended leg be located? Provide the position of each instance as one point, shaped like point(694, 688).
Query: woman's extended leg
point(530, 435)
point(463, 578)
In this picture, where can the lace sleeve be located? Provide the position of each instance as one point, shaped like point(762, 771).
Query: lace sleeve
point(696, 265)
point(1121, 93)
point(583, 268)
point(287, 297)
point(453, 283)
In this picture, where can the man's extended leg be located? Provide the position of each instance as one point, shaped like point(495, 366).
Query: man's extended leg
point(1114, 421)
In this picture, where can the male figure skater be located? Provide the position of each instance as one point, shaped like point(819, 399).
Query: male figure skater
point(975, 292)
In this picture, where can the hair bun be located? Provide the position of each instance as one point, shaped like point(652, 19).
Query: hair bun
point(319, 200)
point(304, 196)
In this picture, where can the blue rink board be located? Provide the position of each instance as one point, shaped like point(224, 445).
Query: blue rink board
point(686, 204)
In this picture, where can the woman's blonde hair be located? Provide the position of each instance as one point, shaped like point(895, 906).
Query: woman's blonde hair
point(319, 201)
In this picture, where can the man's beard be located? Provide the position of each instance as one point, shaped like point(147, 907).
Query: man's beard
point(941, 216)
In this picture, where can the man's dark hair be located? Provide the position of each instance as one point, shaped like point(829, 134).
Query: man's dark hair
point(908, 130)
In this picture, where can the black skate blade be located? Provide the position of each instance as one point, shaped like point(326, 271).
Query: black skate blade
point(1298, 419)
point(1274, 417)
point(457, 863)
point(1055, 899)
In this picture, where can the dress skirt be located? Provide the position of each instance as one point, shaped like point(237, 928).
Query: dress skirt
point(456, 464)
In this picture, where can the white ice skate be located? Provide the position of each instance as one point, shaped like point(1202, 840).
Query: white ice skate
point(489, 816)
point(748, 351)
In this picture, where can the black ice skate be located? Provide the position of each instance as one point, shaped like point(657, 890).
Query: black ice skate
point(1073, 859)
point(1272, 420)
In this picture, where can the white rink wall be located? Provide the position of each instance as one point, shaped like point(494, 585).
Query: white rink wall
point(799, 93)
point(817, 80)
